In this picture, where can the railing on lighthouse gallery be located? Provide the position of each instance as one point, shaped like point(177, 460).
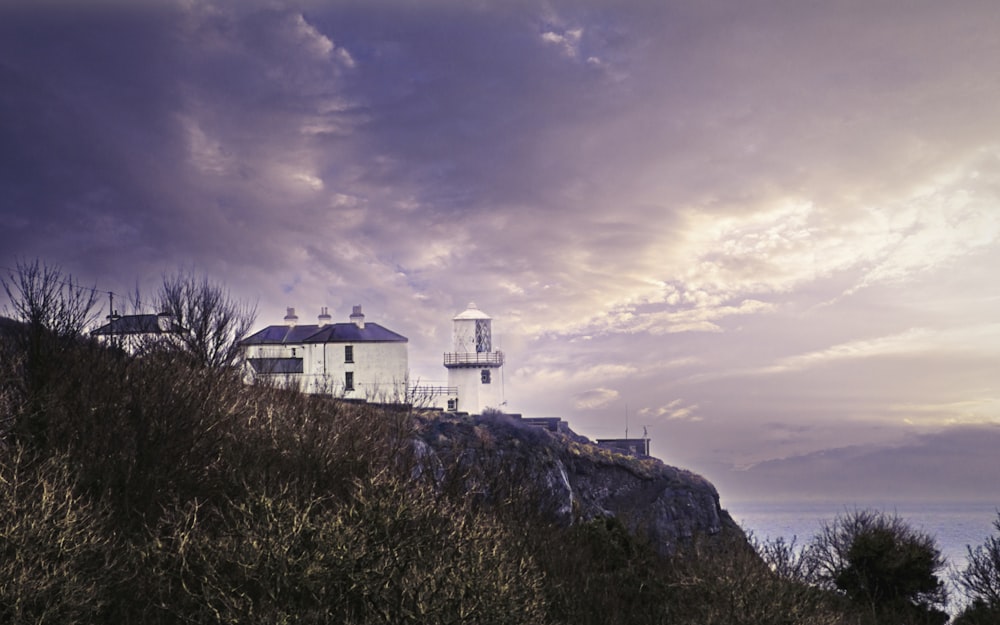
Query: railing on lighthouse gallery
point(473, 359)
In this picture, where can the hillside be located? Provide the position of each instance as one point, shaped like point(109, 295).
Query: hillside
point(156, 490)
point(572, 481)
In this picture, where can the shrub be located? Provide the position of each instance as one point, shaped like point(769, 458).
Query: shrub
point(140, 432)
point(56, 548)
point(885, 567)
point(393, 554)
point(725, 580)
point(316, 446)
point(598, 571)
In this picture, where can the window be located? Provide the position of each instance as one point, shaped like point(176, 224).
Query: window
point(452, 405)
point(483, 336)
point(349, 381)
point(348, 353)
point(484, 375)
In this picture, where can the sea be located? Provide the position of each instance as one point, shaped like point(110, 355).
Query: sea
point(954, 525)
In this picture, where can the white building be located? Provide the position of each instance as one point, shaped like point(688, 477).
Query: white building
point(355, 360)
point(474, 367)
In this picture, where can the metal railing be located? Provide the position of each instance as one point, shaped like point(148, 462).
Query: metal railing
point(473, 359)
point(432, 391)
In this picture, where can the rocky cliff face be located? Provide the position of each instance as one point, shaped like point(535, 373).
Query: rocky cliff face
point(570, 478)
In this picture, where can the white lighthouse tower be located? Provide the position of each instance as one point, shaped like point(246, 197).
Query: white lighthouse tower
point(473, 365)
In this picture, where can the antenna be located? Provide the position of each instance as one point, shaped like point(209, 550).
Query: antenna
point(626, 419)
point(503, 388)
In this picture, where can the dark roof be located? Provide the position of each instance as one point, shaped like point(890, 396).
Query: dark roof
point(276, 365)
point(136, 324)
point(329, 333)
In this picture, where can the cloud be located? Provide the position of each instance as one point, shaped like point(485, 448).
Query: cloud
point(965, 412)
point(559, 371)
point(676, 409)
point(909, 342)
point(698, 319)
point(568, 41)
point(943, 222)
point(313, 40)
point(594, 398)
point(667, 199)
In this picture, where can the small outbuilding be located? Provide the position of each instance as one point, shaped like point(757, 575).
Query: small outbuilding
point(138, 333)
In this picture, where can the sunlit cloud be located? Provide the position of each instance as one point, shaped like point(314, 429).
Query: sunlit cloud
point(308, 180)
point(594, 398)
point(945, 221)
point(568, 41)
point(546, 371)
point(972, 339)
point(677, 409)
point(974, 411)
point(205, 153)
point(910, 341)
point(311, 38)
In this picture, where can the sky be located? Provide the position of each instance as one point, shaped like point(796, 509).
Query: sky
point(766, 232)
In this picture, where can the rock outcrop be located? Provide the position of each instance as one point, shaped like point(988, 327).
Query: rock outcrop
point(571, 478)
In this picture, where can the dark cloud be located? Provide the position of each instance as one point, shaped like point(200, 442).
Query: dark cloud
point(715, 214)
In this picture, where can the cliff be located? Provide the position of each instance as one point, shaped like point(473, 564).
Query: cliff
point(569, 478)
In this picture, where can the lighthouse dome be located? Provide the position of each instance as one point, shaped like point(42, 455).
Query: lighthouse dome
point(471, 312)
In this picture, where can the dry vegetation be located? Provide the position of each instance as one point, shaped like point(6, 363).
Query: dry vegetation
point(157, 489)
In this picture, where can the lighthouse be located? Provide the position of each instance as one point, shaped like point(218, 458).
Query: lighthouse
point(474, 367)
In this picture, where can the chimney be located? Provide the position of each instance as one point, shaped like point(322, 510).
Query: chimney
point(324, 316)
point(163, 320)
point(358, 318)
point(290, 318)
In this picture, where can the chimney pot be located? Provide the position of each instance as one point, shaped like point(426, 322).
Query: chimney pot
point(358, 317)
point(324, 316)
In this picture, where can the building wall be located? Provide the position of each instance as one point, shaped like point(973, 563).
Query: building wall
point(380, 370)
point(474, 396)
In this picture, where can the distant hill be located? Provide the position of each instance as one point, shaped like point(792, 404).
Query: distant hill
point(958, 464)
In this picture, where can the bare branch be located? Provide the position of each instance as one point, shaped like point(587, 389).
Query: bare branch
point(213, 321)
point(46, 299)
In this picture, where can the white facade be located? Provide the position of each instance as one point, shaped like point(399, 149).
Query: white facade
point(355, 360)
point(474, 366)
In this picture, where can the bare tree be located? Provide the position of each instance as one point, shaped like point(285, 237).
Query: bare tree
point(50, 313)
point(980, 582)
point(213, 322)
point(45, 298)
